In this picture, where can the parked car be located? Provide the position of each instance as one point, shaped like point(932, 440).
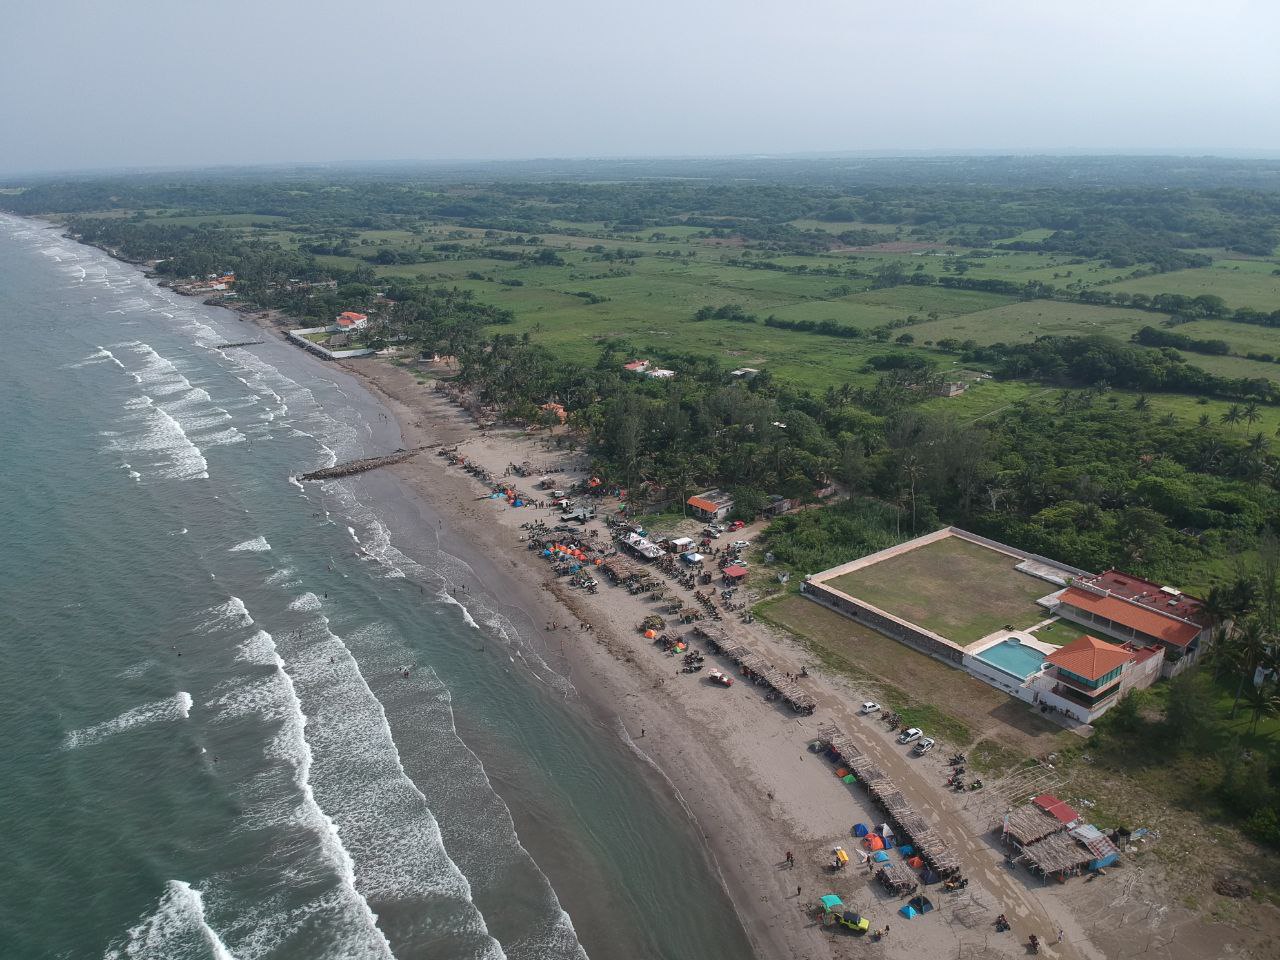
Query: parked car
point(720, 679)
point(924, 745)
point(910, 734)
point(870, 707)
point(737, 525)
point(740, 544)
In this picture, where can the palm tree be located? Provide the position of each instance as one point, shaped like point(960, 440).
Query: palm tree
point(1257, 444)
point(1233, 415)
point(1142, 404)
point(1251, 413)
point(1204, 421)
point(1253, 645)
point(1262, 698)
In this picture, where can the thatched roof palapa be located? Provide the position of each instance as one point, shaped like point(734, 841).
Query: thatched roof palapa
point(1029, 823)
point(1056, 853)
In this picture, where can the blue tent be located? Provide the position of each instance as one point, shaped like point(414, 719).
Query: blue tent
point(860, 830)
point(907, 851)
point(920, 904)
point(930, 876)
point(908, 911)
point(880, 856)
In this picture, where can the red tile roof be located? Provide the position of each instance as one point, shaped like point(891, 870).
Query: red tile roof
point(1056, 808)
point(1152, 595)
point(1135, 617)
point(1090, 657)
point(735, 571)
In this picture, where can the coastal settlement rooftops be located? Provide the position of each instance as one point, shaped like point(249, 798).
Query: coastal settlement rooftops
point(1090, 657)
point(1131, 615)
point(636, 366)
point(711, 505)
point(1163, 599)
point(350, 320)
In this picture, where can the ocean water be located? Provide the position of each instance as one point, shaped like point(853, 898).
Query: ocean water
point(210, 748)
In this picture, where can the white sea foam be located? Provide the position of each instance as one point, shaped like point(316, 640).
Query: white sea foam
point(231, 613)
point(256, 545)
point(175, 708)
point(161, 435)
point(277, 698)
point(176, 929)
point(307, 603)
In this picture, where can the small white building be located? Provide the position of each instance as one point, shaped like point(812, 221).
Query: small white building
point(350, 321)
point(657, 373)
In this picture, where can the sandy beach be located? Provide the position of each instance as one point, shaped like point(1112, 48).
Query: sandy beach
point(740, 764)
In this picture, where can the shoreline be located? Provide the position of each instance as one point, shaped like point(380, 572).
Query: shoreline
point(741, 774)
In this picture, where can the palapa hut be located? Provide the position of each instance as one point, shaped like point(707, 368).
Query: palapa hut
point(1027, 824)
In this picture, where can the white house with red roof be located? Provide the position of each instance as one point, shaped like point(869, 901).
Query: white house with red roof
point(1087, 677)
point(349, 321)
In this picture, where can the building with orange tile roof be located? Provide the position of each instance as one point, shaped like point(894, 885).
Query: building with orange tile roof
point(1086, 677)
point(1132, 609)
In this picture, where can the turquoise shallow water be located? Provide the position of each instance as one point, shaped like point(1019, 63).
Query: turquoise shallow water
point(210, 746)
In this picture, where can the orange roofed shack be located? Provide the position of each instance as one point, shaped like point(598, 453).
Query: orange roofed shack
point(1132, 609)
point(556, 409)
point(711, 505)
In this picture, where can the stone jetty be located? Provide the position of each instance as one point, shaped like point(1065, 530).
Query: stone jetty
point(361, 466)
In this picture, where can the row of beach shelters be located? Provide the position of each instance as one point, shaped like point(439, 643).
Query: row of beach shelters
point(1052, 839)
point(937, 857)
point(756, 668)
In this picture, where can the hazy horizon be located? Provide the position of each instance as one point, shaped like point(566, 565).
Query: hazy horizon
point(140, 85)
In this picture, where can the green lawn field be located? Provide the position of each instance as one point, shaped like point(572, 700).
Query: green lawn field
point(956, 588)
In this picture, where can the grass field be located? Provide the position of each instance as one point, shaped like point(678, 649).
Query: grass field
point(912, 683)
point(1059, 633)
point(957, 589)
point(1023, 322)
point(1241, 283)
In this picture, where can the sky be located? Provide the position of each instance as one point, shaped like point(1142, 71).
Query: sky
point(142, 83)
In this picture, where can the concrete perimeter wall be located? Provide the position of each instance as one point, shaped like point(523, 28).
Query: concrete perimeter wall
point(817, 587)
point(882, 622)
point(300, 338)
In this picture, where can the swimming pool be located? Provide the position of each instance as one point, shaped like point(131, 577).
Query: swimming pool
point(1016, 659)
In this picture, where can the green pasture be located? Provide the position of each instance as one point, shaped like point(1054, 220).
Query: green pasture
point(1024, 321)
point(1241, 283)
point(953, 587)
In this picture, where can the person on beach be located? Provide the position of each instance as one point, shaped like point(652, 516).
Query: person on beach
point(791, 861)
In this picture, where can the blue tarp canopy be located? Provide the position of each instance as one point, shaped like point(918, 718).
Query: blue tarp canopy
point(860, 830)
point(831, 902)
